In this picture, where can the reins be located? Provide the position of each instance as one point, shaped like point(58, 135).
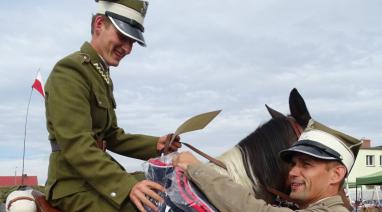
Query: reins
point(211, 159)
point(201, 153)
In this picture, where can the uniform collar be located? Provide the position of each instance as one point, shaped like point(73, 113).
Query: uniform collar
point(106, 66)
point(94, 56)
point(328, 201)
point(97, 61)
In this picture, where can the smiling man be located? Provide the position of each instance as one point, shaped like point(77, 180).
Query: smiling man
point(82, 124)
point(319, 162)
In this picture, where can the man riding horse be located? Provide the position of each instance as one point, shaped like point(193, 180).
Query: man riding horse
point(82, 123)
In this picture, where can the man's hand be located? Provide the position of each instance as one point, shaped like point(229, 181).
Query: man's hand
point(142, 190)
point(184, 159)
point(166, 138)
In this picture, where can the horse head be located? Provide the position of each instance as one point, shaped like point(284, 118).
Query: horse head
point(254, 161)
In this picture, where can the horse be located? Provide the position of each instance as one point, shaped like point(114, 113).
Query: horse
point(255, 158)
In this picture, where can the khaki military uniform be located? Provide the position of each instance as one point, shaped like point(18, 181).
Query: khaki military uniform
point(80, 110)
point(228, 196)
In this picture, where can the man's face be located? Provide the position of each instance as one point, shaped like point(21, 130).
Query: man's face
point(112, 45)
point(309, 178)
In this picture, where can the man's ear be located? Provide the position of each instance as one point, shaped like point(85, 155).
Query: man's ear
point(99, 21)
point(338, 173)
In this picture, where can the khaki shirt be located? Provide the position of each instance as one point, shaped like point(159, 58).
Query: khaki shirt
point(228, 196)
point(80, 109)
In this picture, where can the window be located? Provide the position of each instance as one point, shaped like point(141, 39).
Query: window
point(370, 160)
point(380, 160)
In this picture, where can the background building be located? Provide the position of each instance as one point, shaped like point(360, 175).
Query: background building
point(16, 181)
point(369, 161)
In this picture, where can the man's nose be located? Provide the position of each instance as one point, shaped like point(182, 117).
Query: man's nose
point(293, 171)
point(127, 46)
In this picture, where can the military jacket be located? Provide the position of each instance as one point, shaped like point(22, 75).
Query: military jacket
point(80, 109)
point(228, 196)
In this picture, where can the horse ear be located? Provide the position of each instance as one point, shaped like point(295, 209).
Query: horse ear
point(298, 108)
point(274, 113)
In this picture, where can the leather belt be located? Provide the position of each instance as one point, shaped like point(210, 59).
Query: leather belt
point(55, 146)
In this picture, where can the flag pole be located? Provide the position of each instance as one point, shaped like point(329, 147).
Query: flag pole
point(26, 121)
point(25, 135)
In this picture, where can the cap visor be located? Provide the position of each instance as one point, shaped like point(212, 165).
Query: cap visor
point(128, 30)
point(287, 154)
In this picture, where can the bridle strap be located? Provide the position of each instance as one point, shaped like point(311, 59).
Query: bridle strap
point(295, 125)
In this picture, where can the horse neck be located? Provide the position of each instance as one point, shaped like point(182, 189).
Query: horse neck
point(235, 168)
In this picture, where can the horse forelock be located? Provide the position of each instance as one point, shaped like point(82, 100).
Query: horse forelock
point(260, 150)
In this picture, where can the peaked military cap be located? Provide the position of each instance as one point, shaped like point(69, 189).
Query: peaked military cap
point(127, 16)
point(322, 142)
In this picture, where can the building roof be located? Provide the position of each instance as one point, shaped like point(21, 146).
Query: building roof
point(12, 180)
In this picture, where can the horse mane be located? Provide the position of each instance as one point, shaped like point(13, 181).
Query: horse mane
point(260, 152)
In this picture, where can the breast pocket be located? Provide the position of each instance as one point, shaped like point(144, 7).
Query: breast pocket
point(100, 111)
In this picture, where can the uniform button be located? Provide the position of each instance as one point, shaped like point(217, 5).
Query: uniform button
point(100, 102)
point(86, 59)
point(113, 194)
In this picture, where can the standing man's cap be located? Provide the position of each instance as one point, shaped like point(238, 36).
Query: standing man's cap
point(126, 15)
point(324, 143)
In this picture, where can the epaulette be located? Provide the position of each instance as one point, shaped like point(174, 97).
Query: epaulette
point(85, 58)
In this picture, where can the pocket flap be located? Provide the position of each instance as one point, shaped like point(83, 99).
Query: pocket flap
point(101, 100)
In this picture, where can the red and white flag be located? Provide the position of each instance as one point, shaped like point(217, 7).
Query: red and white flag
point(38, 84)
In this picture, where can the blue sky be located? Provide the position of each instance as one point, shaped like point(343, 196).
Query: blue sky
point(201, 56)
